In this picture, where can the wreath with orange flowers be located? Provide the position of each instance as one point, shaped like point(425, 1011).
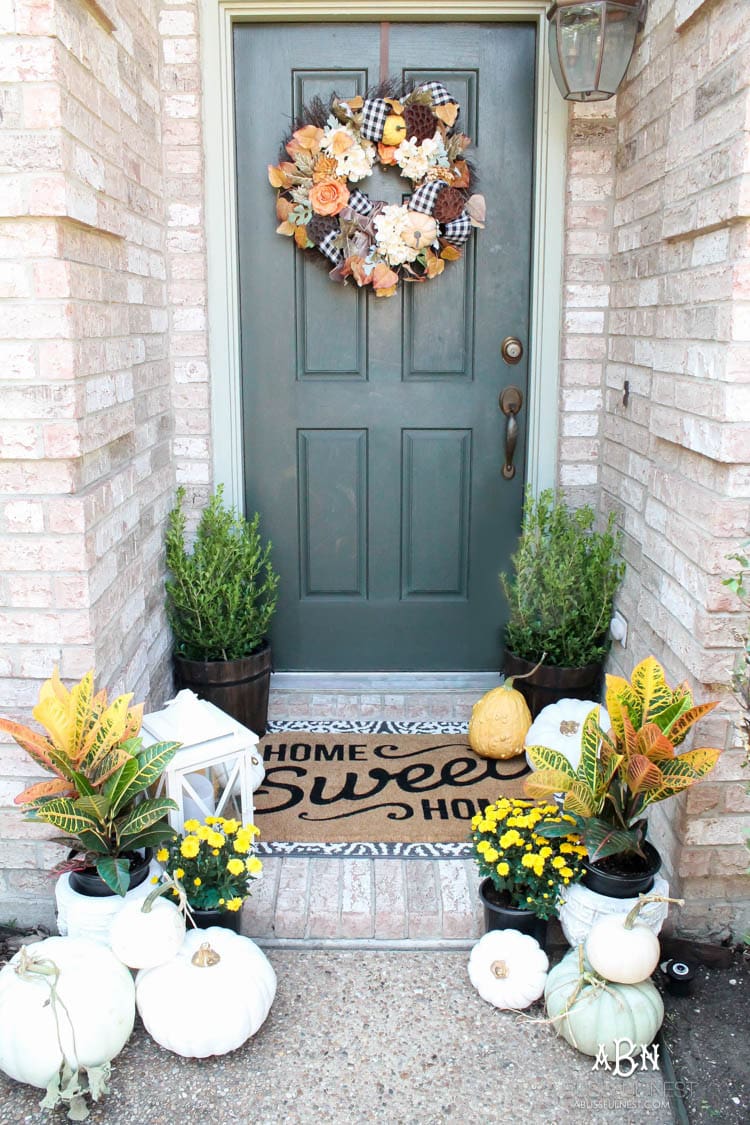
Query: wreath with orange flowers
point(335, 146)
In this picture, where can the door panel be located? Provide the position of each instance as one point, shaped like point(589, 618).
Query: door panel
point(373, 438)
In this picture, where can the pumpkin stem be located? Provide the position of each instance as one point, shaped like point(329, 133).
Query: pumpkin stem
point(499, 970)
point(205, 957)
point(510, 680)
point(157, 892)
point(642, 900)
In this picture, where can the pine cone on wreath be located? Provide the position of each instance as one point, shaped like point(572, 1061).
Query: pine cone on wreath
point(420, 122)
point(319, 226)
point(449, 204)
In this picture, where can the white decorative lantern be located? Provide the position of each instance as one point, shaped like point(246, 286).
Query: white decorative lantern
point(218, 766)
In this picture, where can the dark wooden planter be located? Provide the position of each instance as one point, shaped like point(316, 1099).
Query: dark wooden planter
point(550, 684)
point(239, 687)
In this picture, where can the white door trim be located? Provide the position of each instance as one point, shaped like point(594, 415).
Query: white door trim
point(217, 17)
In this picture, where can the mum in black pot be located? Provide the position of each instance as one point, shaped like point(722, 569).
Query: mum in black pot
point(560, 597)
point(221, 597)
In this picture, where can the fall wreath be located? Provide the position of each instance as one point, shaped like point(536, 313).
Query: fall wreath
point(335, 146)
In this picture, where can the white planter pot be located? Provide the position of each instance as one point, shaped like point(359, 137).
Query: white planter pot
point(581, 908)
point(82, 916)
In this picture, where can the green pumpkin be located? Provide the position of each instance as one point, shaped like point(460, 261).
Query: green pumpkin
point(602, 1013)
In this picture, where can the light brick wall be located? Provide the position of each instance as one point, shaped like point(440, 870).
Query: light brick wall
point(86, 472)
point(675, 461)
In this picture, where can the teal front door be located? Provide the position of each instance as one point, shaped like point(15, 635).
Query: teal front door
point(374, 442)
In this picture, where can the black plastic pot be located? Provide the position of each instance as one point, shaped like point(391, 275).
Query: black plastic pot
point(90, 883)
point(500, 915)
point(550, 684)
point(227, 919)
point(239, 687)
point(617, 885)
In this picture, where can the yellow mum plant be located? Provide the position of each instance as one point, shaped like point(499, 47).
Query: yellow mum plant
point(207, 862)
point(527, 870)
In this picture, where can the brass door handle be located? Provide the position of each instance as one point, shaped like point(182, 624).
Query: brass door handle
point(511, 401)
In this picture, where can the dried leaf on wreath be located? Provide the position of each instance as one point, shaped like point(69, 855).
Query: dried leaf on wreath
point(305, 162)
point(355, 103)
point(461, 174)
point(342, 115)
point(447, 113)
point(433, 265)
point(293, 148)
point(395, 105)
point(341, 143)
point(286, 228)
point(358, 272)
point(300, 237)
point(384, 278)
point(283, 208)
point(450, 253)
point(308, 137)
point(476, 209)
point(277, 178)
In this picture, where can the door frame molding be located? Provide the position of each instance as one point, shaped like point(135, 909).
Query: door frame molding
point(216, 19)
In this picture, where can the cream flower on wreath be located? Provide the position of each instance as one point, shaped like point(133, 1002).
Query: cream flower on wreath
point(390, 225)
point(356, 163)
point(415, 160)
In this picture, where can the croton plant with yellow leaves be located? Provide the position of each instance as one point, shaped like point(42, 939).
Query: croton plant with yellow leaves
point(335, 147)
point(622, 772)
point(101, 773)
point(214, 862)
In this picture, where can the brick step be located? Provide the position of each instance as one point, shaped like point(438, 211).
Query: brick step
point(365, 900)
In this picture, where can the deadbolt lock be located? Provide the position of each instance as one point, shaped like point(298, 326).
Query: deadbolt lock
point(511, 349)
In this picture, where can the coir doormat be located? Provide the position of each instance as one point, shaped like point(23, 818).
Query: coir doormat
point(376, 788)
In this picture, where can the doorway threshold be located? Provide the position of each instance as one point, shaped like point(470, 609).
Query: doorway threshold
point(391, 682)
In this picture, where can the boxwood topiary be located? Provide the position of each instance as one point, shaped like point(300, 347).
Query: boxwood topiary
point(221, 595)
point(565, 577)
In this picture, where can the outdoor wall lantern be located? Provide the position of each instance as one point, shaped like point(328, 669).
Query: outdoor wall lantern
point(218, 767)
point(591, 43)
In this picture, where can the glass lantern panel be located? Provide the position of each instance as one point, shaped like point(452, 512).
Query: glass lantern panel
point(212, 791)
point(622, 28)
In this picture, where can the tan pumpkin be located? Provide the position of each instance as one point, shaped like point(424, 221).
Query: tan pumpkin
point(499, 722)
point(421, 230)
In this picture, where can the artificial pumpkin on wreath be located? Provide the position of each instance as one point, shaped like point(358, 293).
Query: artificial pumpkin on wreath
point(336, 146)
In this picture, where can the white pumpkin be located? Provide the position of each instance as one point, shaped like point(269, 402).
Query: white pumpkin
point(97, 1008)
point(622, 948)
point(558, 726)
point(211, 997)
point(596, 1015)
point(148, 933)
point(508, 969)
